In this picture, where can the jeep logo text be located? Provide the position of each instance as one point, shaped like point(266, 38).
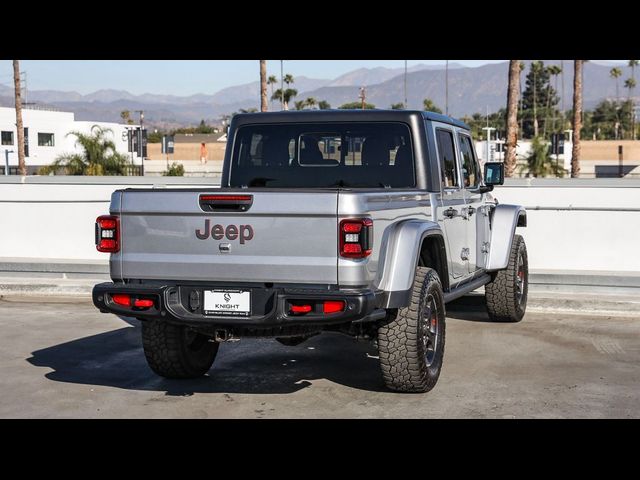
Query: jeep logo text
point(232, 232)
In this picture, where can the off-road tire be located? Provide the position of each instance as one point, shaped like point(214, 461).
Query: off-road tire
point(175, 351)
point(506, 294)
point(403, 352)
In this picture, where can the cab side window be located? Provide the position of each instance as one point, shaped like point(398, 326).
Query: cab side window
point(447, 158)
point(470, 170)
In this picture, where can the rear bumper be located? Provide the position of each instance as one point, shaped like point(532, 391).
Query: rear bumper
point(270, 307)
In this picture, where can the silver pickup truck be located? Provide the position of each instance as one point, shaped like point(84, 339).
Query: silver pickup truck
point(359, 222)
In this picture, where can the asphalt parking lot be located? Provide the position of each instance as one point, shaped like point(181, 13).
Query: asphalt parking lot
point(61, 358)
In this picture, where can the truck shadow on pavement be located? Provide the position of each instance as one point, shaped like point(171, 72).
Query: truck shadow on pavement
point(251, 366)
point(470, 307)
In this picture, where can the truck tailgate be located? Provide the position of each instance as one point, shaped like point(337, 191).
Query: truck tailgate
point(282, 237)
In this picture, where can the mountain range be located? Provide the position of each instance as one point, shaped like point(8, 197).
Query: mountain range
point(471, 90)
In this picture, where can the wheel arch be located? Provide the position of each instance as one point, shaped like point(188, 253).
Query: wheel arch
point(504, 220)
point(413, 243)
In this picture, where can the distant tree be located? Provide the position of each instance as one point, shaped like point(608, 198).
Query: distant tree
point(633, 64)
point(356, 106)
point(513, 94)
point(155, 137)
point(311, 102)
point(553, 71)
point(22, 167)
point(272, 80)
point(537, 94)
point(577, 117)
point(204, 128)
point(289, 93)
point(248, 110)
point(99, 156)
point(125, 115)
point(616, 73)
point(263, 86)
point(429, 106)
point(397, 106)
point(288, 79)
point(324, 105)
point(300, 105)
point(539, 161)
point(175, 170)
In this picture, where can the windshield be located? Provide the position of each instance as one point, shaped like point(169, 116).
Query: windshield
point(323, 155)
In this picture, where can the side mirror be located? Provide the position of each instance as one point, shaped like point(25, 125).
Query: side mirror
point(493, 173)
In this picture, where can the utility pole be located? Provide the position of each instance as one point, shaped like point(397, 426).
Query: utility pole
point(363, 96)
point(405, 85)
point(446, 88)
point(281, 85)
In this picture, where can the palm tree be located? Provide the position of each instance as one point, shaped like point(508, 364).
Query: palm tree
point(630, 84)
point(577, 117)
point(263, 86)
point(300, 104)
point(289, 93)
point(99, 156)
point(22, 168)
point(615, 73)
point(513, 93)
point(288, 79)
point(272, 80)
point(633, 64)
point(324, 105)
point(539, 163)
point(125, 115)
point(311, 102)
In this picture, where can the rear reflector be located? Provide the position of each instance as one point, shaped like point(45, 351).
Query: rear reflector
point(333, 306)
point(300, 308)
point(143, 303)
point(121, 299)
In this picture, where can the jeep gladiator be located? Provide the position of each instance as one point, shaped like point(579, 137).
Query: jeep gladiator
point(360, 222)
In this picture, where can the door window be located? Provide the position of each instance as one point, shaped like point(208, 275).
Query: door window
point(447, 158)
point(470, 170)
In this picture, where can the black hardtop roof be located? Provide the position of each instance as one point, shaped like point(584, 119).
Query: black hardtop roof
point(332, 115)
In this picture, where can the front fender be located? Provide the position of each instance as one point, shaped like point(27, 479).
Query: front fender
point(401, 259)
point(504, 221)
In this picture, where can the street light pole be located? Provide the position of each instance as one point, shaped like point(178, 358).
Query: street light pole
point(405, 85)
point(446, 88)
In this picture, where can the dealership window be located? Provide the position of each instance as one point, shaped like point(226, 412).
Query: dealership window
point(7, 138)
point(45, 140)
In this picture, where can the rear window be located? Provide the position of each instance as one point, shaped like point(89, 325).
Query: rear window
point(323, 155)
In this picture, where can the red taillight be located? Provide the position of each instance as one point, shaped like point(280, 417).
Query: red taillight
point(333, 306)
point(300, 308)
point(122, 299)
point(108, 234)
point(356, 237)
point(143, 303)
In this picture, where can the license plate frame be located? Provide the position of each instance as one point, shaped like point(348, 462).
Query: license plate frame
point(214, 299)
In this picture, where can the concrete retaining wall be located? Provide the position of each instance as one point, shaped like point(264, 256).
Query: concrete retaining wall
point(573, 225)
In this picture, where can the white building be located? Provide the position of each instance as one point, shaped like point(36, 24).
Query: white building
point(47, 136)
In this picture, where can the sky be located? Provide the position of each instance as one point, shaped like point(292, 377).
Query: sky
point(184, 77)
point(180, 77)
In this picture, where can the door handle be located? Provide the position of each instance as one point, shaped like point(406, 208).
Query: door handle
point(451, 213)
point(471, 210)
